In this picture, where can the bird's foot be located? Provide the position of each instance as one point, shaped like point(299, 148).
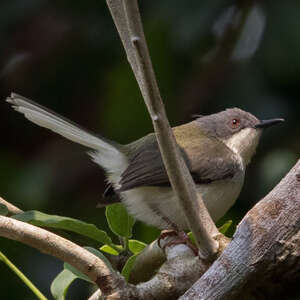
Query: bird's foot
point(181, 238)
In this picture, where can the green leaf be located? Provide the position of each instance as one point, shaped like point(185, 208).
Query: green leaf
point(80, 274)
point(136, 246)
point(76, 272)
point(223, 229)
point(3, 209)
point(61, 284)
point(52, 221)
point(110, 250)
point(191, 237)
point(119, 221)
point(101, 256)
point(128, 266)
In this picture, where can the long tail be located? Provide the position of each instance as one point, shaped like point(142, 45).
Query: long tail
point(107, 153)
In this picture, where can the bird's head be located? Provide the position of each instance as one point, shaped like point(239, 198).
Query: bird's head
point(238, 129)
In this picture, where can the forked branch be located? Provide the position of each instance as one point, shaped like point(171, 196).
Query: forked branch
point(264, 252)
point(65, 250)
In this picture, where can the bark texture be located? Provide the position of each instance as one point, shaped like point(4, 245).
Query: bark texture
point(65, 250)
point(264, 254)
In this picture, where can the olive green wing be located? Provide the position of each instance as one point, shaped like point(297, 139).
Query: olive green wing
point(207, 161)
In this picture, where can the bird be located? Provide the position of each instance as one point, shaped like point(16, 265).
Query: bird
point(216, 148)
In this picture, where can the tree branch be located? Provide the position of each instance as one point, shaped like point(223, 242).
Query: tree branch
point(174, 277)
point(266, 244)
point(147, 263)
point(97, 295)
point(128, 22)
point(12, 210)
point(109, 282)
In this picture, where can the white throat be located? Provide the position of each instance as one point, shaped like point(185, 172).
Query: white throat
point(244, 143)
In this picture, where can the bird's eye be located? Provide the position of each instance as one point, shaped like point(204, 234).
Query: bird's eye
point(235, 123)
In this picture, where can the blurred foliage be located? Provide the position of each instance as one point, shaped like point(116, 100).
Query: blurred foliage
point(66, 55)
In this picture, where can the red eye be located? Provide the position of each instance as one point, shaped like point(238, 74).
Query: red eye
point(235, 123)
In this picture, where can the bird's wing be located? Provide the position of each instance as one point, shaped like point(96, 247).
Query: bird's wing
point(206, 161)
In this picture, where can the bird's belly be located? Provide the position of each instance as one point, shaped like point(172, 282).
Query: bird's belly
point(157, 205)
point(221, 195)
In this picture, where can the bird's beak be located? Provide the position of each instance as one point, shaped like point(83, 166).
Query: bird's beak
point(268, 123)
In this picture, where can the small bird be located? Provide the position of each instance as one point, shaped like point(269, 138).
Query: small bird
point(216, 148)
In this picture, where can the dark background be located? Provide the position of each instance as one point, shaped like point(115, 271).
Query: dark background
point(66, 55)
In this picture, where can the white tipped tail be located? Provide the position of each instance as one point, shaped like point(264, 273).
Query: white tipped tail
point(107, 155)
point(48, 119)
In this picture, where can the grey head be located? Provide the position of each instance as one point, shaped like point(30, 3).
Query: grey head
point(238, 129)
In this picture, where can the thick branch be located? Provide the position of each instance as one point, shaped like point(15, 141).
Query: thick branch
point(266, 244)
point(54, 245)
point(175, 276)
point(128, 22)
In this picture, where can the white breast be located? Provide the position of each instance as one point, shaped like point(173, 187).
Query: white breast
point(154, 205)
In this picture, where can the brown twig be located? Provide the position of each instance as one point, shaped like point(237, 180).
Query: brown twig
point(65, 250)
point(12, 210)
point(128, 22)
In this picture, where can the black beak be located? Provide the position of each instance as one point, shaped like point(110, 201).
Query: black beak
point(268, 123)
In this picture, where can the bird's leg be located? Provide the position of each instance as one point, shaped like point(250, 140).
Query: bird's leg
point(182, 238)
